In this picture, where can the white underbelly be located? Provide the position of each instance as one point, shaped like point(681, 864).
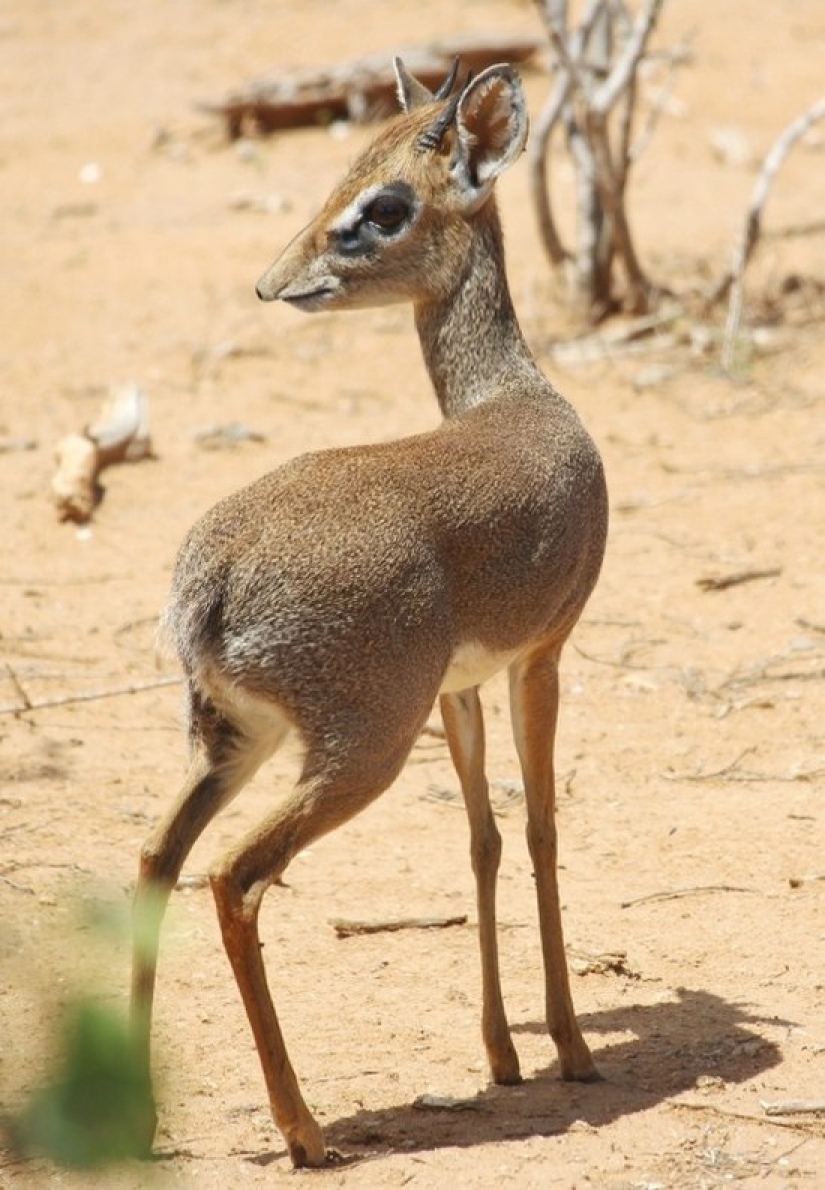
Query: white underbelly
point(471, 664)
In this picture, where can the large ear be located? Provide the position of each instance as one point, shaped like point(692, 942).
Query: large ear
point(491, 128)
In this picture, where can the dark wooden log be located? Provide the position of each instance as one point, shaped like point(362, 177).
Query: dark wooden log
point(361, 90)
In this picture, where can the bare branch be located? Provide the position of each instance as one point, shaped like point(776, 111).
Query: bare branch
point(624, 71)
point(624, 157)
point(598, 63)
point(731, 282)
point(554, 13)
point(569, 51)
point(610, 195)
point(537, 156)
point(676, 58)
point(770, 167)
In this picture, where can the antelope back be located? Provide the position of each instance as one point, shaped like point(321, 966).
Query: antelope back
point(398, 227)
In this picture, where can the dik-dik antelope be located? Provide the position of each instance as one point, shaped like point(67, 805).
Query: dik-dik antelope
point(339, 596)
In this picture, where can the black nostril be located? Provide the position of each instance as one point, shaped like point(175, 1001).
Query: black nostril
point(266, 291)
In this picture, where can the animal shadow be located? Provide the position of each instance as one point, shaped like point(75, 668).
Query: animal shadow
point(663, 1049)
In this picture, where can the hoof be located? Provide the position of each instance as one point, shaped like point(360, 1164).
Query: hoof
point(309, 1153)
point(504, 1066)
point(588, 1074)
point(507, 1076)
point(576, 1063)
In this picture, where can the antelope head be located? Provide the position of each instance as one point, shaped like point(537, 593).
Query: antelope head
point(398, 226)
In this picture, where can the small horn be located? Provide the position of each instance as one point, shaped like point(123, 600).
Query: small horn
point(430, 139)
point(449, 82)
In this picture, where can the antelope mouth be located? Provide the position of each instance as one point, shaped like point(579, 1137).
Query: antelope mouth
point(309, 298)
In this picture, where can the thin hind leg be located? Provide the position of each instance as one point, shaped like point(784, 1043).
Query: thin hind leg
point(327, 795)
point(222, 760)
point(464, 727)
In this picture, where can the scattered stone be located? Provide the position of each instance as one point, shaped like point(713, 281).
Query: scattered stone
point(731, 146)
point(226, 436)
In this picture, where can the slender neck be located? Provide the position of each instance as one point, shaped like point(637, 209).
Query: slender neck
point(471, 339)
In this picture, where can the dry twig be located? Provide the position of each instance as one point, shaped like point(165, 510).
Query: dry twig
point(764, 671)
point(677, 893)
point(19, 689)
point(736, 579)
point(793, 1107)
point(347, 928)
point(90, 696)
point(24, 888)
point(798, 881)
point(732, 772)
point(750, 1117)
point(810, 625)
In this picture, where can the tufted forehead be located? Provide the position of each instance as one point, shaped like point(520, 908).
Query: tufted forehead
point(394, 156)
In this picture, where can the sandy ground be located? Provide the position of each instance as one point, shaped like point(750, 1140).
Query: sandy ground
point(691, 743)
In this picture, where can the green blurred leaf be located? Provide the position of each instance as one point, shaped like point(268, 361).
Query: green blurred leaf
point(100, 1108)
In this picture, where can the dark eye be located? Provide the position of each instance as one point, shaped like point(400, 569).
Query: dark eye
point(387, 212)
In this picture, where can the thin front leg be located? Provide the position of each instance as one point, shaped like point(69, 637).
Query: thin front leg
point(464, 725)
point(534, 702)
